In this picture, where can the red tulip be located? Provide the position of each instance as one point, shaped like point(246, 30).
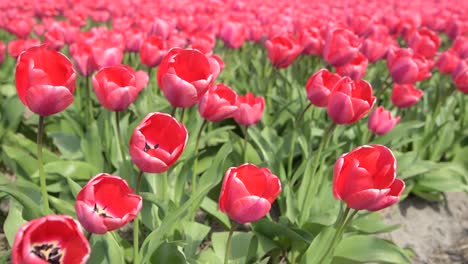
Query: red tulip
point(312, 41)
point(157, 142)
point(405, 95)
point(447, 61)
point(203, 41)
point(82, 56)
point(248, 192)
point(15, 47)
point(133, 39)
point(184, 76)
point(50, 239)
point(55, 39)
point(45, 80)
point(233, 34)
point(319, 87)
point(218, 103)
point(105, 53)
point(355, 69)
point(282, 51)
point(350, 101)
point(376, 48)
point(116, 87)
point(250, 109)
point(365, 178)
point(106, 203)
point(381, 121)
point(152, 51)
point(341, 46)
point(460, 46)
point(460, 77)
point(406, 67)
point(424, 42)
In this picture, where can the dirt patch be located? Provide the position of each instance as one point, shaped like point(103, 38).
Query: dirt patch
point(437, 232)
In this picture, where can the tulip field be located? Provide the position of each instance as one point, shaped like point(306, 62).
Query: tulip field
point(226, 131)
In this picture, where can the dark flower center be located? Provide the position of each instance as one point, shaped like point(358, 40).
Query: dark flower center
point(101, 211)
point(49, 252)
point(148, 147)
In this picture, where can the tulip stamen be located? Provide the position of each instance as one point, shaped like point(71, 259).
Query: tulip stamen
point(49, 252)
point(101, 211)
point(148, 147)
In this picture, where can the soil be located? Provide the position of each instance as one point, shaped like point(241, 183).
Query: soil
point(436, 232)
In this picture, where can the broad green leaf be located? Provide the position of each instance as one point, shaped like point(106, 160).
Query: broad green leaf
point(68, 145)
point(211, 207)
point(76, 170)
point(240, 244)
point(168, 253)
point(194, 235)
point(106, 250)
point(372, 224)
point(13, 221)
point(319, 250)
point(32, 209)
point(92, 148)
point(365, 249)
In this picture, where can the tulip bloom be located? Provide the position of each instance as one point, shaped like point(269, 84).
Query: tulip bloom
point(81, 54)
point(447, 61)
point(282, 51)
point(350, 101)
point(233, 34)
point(250, 109)
point(2, 51)
point(184, 76)
point(152, 51)
point(460, 78)
point(355, 69)
point(406, 67)
point(218, 103)
point(157, 142)
point(15, 47)
point(341, 46)
point(45, 80)
point(405, 95)
point(116, 87)
point(424, 42)
point(311, 40)
point(381, 121)
point(106, 203)
point(365, 178)
point(248, 192)
point(319, 87)
point(50, 239)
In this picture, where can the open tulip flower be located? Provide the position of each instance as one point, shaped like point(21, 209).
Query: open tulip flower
point(184, 76)
point(248, 192)
point(282, 51)
point(341, 46)
point(250, 109)
point(407, 67)
point(116, 87)
point(365, 178)
point(320, 85)
point(45, 80)
point(350, 101)
point(50, 239)
point(152, 51)
point(218, 103)
point(157, 142)
point(106, 203)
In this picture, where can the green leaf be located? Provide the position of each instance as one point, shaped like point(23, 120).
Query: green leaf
point(271, 230)
point(240, 244)
point(76, 170)
point(106, 250)
point(318, 251)
point(13, 221)
point(372, 224)
point(92, 147)
point(365, 249)
point(211, 207)
point(32, 208)
point(168, 253)
point(68, 145)
point(194, 234)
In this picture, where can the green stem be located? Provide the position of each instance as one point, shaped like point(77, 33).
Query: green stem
point(227, 252)
point(195, 162)
point(42, 176)
point(88, 236)
point(89, 105)
point(311, 188)
point(293, 139)
point(121, 146)
point(165, 185)
point(136, 224)
point(246, 138)
point(173, 111)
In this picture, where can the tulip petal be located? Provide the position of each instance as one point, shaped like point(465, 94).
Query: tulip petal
point(249, 209)
point(47, 100)
point(365, 199)
point(340, 108)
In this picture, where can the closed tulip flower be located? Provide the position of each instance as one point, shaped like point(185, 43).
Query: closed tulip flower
point(365, 178)
point(248, 192)
point(50, 239)
point(282, 51)
point(233, 34)
point(447, 61)
point(250, 109)
point(355, 69)
point(185, 75)
point(15, 47)
point(152, 51)
point(350, 101)
point(319, 87)
point(157, 142)
point(424, 42)
point(45, 80)
point(406, 67)
point(116, 87)
point(106, 203)
point(218, 103)
point(405, 95)
point(460, 78)
point(341, 46)
point(381, 121)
